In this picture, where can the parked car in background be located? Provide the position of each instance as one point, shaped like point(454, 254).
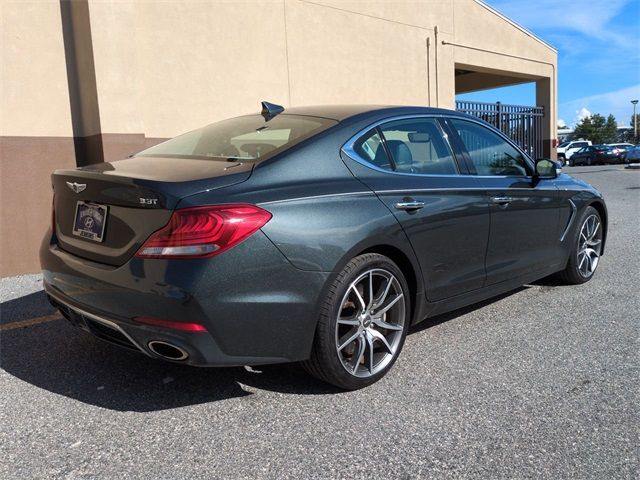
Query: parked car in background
point(595, 155)
point(315, 234)
point(621, 148)
point(567, 149)
point(632, 155)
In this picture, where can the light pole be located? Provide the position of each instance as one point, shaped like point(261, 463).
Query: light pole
point(635, 121)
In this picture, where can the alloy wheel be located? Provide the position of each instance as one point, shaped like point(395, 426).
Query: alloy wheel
point(370, 323)
point(589, 246)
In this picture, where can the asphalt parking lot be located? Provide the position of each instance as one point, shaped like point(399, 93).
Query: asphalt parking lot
point(541, 383)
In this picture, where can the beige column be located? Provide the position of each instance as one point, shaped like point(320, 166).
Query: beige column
point(545, 98)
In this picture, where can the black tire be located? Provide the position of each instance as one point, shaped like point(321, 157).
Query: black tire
point(571, 162)
point(325, 362)
point(571, 274)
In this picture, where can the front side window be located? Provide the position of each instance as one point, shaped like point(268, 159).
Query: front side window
point(490, 154)
point(242, 138)
point(414, 145)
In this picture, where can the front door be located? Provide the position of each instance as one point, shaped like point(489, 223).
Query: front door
point(524, 234)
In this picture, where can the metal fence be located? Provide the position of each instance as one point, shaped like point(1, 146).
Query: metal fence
point(521, 123)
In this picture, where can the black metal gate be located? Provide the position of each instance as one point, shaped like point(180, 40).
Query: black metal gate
point(520, 123)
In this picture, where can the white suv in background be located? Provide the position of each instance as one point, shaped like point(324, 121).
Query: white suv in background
point(567, 149)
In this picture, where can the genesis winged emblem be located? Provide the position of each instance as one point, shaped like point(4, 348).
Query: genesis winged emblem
point(77, 187)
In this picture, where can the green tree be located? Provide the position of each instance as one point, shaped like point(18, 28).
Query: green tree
point(584, 129)
point(610, 134)
point(597, 129)
point(630, 137)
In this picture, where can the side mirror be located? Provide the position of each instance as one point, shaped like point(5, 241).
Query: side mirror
point(547, 169)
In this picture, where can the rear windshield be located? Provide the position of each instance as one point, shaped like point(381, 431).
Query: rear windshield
point(242, 138)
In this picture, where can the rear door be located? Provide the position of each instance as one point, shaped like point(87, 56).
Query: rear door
point(525, 234)
point(409, 164)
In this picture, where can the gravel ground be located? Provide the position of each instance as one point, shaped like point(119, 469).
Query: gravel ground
point(540, 383)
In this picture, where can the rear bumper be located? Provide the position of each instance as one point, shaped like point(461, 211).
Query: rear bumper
point(257, 308)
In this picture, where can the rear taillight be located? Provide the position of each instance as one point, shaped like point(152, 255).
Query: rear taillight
point(199, 232)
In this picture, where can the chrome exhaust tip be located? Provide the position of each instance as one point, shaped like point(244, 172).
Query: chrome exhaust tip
point(167, 350)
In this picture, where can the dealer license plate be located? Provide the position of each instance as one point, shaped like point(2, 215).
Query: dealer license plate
point(90, 220)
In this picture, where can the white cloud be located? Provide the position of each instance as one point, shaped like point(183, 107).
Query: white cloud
point(590, 18)
point(562, 123)
point(582, 114)
point(617, 102)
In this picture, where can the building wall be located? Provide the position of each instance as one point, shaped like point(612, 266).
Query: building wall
point(36, 134)
point(95, 80)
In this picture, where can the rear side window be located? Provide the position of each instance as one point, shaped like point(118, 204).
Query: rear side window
point(490, 154)
point(414, 145)
point(370, 148)
point(242, 138)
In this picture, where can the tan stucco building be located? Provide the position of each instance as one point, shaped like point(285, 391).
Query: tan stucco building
point(93, 80)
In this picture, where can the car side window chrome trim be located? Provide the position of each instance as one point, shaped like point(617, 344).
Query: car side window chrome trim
point(349, 147)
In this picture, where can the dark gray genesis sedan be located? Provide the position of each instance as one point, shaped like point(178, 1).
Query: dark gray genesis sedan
point(316, 234)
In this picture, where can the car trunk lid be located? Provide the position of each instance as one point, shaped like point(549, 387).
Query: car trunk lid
point(137, 195)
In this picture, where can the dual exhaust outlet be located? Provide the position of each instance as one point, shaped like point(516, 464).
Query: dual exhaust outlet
point(167, 350)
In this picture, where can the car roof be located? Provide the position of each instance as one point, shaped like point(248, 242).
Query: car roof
point(343, 112)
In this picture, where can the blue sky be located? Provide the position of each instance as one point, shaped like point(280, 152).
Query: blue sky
point(598, 43)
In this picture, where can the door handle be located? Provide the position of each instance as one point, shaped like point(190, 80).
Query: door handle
point(501, 200)
point(410, 205)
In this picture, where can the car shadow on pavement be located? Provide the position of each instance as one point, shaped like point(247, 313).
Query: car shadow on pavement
point(445, 317)
point(67, 361)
